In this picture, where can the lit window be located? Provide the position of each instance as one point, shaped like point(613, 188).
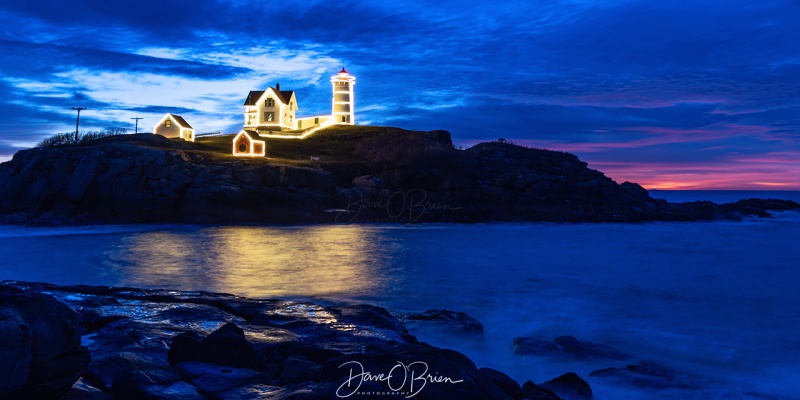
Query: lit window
point(269, 116)
point(167, 123)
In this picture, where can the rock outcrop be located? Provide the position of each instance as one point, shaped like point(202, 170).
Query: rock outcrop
point(533, 391)
point(565, 347)
point(395, 175)
point(148, 178)
point(570, 386)
point(453, 322)
point(651, 374)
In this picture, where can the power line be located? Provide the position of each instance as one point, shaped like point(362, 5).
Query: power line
point(77, 121)
point(137, 123)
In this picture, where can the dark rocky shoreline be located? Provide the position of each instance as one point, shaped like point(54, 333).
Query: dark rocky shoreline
point(163, 344)
point(104, 343)
point(150, 179)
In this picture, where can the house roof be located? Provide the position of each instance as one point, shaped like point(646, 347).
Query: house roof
point(252, 134)
point(253, 97)
point(182, 122)
point(285, 96)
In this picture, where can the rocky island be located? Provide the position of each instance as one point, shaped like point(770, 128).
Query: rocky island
point(341, 174)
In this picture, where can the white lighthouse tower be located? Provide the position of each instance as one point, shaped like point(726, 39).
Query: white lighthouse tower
point(343, 101)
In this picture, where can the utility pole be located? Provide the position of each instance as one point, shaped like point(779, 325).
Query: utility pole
point(77, 121)
point(137, 123)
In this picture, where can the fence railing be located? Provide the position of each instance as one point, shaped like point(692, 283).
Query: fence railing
point(209, 134)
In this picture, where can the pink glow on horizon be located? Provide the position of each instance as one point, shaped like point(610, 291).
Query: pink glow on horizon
point(778, 170)
point(769, 171)
point(730, 175)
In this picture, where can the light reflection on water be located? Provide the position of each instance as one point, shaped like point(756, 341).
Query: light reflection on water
point(310, 261)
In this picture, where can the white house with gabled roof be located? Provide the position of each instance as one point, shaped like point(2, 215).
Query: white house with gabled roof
point(174, 126)
point(270, 110)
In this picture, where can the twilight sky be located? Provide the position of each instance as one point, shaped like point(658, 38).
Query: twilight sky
point(673, 94)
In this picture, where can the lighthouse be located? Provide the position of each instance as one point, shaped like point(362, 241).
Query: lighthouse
point(343, 101)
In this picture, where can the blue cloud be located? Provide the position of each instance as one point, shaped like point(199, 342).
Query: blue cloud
point(163, 110)
point(682, 77)
point(34, 59)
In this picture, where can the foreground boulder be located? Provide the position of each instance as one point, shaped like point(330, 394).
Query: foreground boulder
point(533, 391)
point(570, 386)
point(225, 346)
point(41, 355)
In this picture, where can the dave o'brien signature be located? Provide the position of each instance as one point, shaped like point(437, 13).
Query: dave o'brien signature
point(413, 204)
point(407, 379)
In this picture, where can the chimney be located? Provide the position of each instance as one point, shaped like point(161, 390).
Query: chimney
point(278, 86)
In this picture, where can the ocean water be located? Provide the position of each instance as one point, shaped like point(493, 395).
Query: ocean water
point(718, 300)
